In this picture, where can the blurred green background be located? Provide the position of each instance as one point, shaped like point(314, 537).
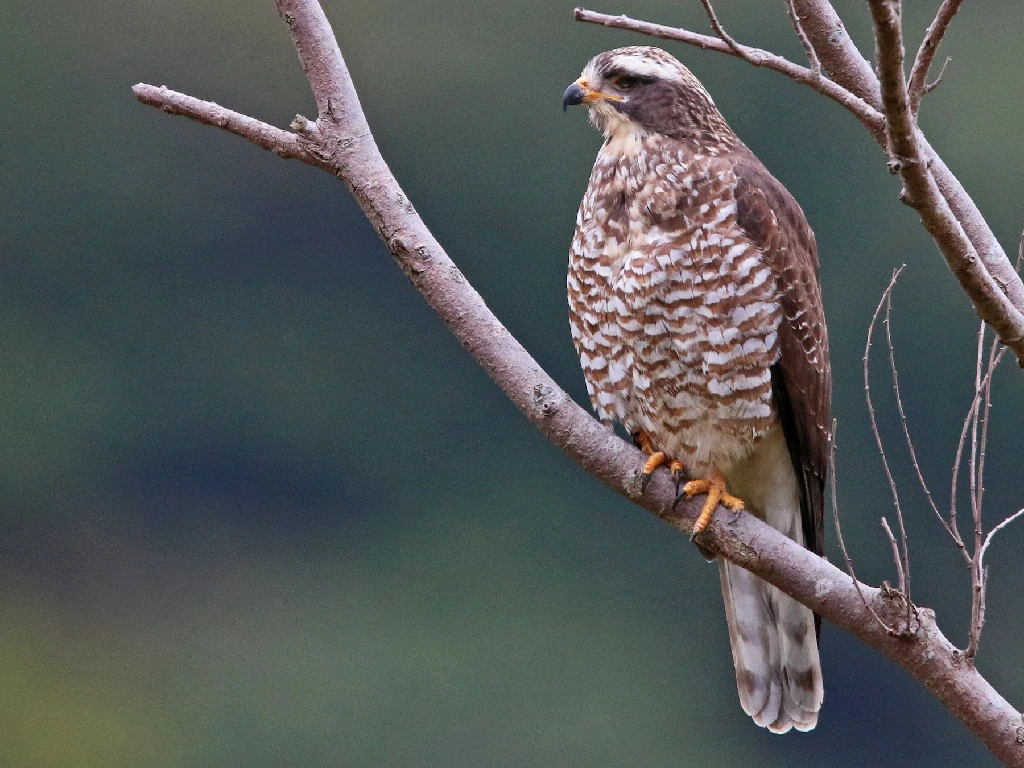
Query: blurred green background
point(258, 508)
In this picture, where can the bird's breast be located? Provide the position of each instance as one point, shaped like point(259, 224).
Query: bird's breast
point(672, 308)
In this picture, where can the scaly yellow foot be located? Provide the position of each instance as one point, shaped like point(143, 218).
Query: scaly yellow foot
point(656, 459)
point(714, 487)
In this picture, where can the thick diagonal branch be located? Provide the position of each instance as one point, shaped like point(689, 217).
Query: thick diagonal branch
point(340, 141)
point(845, 64)
point(921, 192)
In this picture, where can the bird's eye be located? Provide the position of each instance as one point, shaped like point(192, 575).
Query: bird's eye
point(626, 82)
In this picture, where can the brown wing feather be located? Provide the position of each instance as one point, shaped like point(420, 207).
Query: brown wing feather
point(802, 379)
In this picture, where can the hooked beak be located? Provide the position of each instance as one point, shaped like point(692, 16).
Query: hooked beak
point(573, 95)
point(580, 92)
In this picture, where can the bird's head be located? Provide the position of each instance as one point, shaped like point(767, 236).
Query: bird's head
point(646, 89)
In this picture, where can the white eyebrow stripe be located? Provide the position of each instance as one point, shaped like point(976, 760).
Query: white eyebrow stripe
point(646, 67)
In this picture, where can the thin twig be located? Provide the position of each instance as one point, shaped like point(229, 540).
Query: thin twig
point(958, 460)
point(839, 529)
point(897, 560)
point(262, 134)
point(906, 435)
point(979, 578)
point(871, 413)
point(972, 457)
point(805, 41)
point(981, 587)
point(994, 531)
point(979, 573)
point(938, 78)
point(995, 355)
point(923, 61)
point(716, 25)
point(899, 512)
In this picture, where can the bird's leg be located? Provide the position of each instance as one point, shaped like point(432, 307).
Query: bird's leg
point(714, 487)
point(655, 459)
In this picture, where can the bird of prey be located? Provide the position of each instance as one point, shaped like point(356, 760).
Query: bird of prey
point(696, 311)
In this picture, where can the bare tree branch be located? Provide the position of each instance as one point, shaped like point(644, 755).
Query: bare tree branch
point(839, 57)
point(995, 354)
point(917, 85)
point(972, 459)
point(845, 64)
point(259, 133)
point(929, 87)
point(340, 142)
point(979, 443)
point(921, 192)
point(716, 25)
point(968, 425)
point(866, 113)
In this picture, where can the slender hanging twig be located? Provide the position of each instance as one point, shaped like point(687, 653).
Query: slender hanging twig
point(839, 528)
point(874, 425)
point(910, 443)
point(905, 568)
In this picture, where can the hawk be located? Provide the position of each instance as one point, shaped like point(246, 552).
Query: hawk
point(696, 311)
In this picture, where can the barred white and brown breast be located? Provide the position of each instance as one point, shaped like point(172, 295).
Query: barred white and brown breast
point(695, 308)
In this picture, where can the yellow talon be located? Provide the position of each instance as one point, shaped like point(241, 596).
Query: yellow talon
point(656, 459)
point(714, 487)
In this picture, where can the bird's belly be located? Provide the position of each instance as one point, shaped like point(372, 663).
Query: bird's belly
point(704, 431)
point(686, 382)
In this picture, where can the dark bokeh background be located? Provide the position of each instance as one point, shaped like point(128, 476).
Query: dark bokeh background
point(258, 508)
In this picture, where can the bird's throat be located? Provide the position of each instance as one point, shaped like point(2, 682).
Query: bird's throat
point(625, 141)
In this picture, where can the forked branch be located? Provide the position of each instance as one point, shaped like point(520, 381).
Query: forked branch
point(975, 427)
point(918, 85)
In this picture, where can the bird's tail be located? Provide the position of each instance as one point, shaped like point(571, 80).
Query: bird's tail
point(775, 651)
